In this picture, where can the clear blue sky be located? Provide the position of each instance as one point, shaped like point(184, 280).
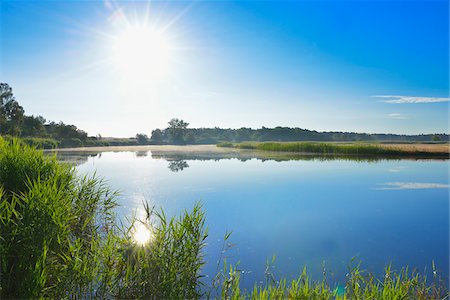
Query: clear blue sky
point(322, 65)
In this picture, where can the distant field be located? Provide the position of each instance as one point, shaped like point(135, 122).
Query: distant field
point(351, 149)
point(430, 148)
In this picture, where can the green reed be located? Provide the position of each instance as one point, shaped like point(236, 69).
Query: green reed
point(359, 284)
point(59, 237)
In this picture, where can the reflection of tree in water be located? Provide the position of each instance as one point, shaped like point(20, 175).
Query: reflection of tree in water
point(177, 165)
point(74, 158)
point(141, 153)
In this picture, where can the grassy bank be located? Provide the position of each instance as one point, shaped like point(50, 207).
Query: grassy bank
point(354, 149)
point(59, 239)
point(51, 143)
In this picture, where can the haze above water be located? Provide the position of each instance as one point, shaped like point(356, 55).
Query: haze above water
point(306, 212)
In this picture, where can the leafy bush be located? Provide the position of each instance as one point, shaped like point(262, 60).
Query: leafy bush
point(41, 143)
point(72, 142)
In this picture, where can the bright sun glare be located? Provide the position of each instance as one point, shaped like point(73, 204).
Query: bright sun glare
point(141, 52)
point(141, 234)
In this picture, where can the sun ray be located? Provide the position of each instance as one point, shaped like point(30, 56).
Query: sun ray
point(177, 17)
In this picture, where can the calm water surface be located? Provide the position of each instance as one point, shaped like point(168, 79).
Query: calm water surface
point(306, 212)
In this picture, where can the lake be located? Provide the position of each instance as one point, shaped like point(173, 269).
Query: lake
point(313, 211)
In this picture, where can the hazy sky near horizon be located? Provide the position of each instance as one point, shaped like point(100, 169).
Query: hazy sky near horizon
point(118, 68)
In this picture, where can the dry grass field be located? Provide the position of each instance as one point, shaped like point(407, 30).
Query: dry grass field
point(429, 148)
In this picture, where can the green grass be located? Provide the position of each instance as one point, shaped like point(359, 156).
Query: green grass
point(355, 149)
point(40, 143)
point(360, 284)
point(59, 239)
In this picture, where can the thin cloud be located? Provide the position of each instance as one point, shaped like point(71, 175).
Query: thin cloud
point(408, 99)
point(412, 186)
point(397, 116)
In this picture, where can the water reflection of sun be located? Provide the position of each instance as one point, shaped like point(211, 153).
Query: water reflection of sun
point(141, 234)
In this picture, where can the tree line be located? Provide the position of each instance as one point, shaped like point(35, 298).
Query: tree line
point(178, 133)
point(38, 131)
point(14, 122)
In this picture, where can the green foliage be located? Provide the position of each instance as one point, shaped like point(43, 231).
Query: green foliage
point(33, 126)
point(177, 124)
point(41, 143)
point(142, 139)
point(359, 285)
point(225, 145)
point(157, 136)
point(71, 143)
point(61, 131)
point(14, 122)
point(53, 226)
point(436, 138)
point(178, 133)
point(169, 266)
point(60, 239)
point(11, 113)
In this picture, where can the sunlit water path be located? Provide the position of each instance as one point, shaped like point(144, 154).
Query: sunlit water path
point(306, 212)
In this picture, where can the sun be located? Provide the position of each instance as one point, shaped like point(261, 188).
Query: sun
point(140, 52)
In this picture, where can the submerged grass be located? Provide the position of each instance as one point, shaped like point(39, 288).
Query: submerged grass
point(356, 149)
point(59, 239)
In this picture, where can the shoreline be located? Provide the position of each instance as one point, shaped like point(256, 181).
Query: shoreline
point(417, 151)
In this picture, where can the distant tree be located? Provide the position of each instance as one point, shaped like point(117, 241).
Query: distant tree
point(436, 138)
point(142, 139)
point(11, 113)
point(177, 124)
point(243, 134)
point(33, 126)
point(176, 131)
point(189, 138)
point(157, 136)
point(14, 117)
point(61, 131)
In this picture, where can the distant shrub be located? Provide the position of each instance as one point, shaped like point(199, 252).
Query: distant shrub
point(41, 143)
point(72, 142)
point(225, 144)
